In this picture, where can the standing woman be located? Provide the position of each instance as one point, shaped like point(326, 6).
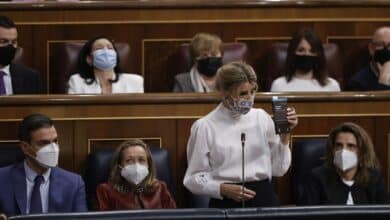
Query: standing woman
point(305, 66)
point(132, 183)
point(214, 147)
point(100, 72)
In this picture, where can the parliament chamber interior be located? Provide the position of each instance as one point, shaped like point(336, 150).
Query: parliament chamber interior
point(152, 38)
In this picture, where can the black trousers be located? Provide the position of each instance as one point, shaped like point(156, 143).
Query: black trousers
point(265, 196)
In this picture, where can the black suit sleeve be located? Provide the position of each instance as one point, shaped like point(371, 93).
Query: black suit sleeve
point(36, 83)
point(353, 85)
point(381, 194)
point(25, 80)
point(311, 193)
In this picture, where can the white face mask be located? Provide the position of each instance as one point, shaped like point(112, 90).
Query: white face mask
point(345, 159)
point(47, 156)
point(135, 173)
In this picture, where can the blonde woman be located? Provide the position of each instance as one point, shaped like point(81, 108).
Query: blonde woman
point(132, 183)
point(214, 147)
point(206, 52)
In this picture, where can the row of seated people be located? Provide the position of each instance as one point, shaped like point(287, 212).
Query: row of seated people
point(350, 175)
point(304, 64)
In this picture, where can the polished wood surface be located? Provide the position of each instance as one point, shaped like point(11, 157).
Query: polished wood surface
point(52, 4)
point(155, 29)
point(88, 122)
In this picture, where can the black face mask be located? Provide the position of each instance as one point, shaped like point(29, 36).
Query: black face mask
point(7, 54)
point(209, 66)
point(305, 63)
point(382, 56)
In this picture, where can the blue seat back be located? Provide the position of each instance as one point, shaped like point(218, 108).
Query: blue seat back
point(10, 153)
point(307, 153)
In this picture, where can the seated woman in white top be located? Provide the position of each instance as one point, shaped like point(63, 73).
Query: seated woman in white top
point(305, 66)
point(100, 72)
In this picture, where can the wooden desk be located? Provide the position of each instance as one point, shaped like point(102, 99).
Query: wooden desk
point(87, 122)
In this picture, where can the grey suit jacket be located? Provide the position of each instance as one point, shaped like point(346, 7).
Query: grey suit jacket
point(183, 83)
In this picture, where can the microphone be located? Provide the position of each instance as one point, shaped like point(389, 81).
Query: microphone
point(243, 139)
point(243, 168)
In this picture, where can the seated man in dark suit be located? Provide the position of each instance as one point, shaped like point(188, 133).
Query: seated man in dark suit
point(14, 78)
point(376, 75)
point(37, 185)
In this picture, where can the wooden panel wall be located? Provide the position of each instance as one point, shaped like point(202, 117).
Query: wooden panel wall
point(85, 123)
point(154, 32)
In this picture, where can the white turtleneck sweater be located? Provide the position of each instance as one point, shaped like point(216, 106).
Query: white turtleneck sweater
point(214, 150)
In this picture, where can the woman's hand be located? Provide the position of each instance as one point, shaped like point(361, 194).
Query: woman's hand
point(384, 73)
point(233, 191)
point(292, 117)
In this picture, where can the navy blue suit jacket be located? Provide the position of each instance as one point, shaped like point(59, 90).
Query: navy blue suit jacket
point(66, 191)
point(365, 80)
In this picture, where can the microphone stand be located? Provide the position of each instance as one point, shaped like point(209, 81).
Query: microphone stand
point(243, 169)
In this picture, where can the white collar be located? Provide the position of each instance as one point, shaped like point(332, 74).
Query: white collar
point(31, 174)
point(6, 70)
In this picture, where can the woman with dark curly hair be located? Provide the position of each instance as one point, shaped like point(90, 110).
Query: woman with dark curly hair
point(100, 73)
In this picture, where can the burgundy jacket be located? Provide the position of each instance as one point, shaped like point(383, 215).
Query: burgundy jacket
point(110, 199)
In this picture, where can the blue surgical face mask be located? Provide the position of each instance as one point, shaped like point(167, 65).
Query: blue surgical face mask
point(104, 59)
point(241, 106)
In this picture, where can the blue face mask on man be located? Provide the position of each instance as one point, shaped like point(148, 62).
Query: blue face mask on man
point(104, 59)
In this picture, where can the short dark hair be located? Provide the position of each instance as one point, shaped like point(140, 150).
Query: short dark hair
point(86, 70)
point(319, 71)
point(6, 22)
point(32, 123)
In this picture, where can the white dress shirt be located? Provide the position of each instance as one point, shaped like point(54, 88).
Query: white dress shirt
point(127, 83)
point(44, 188)
point(349, 199)
point(214, 150)
point(7, 80)
point(303, 85)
